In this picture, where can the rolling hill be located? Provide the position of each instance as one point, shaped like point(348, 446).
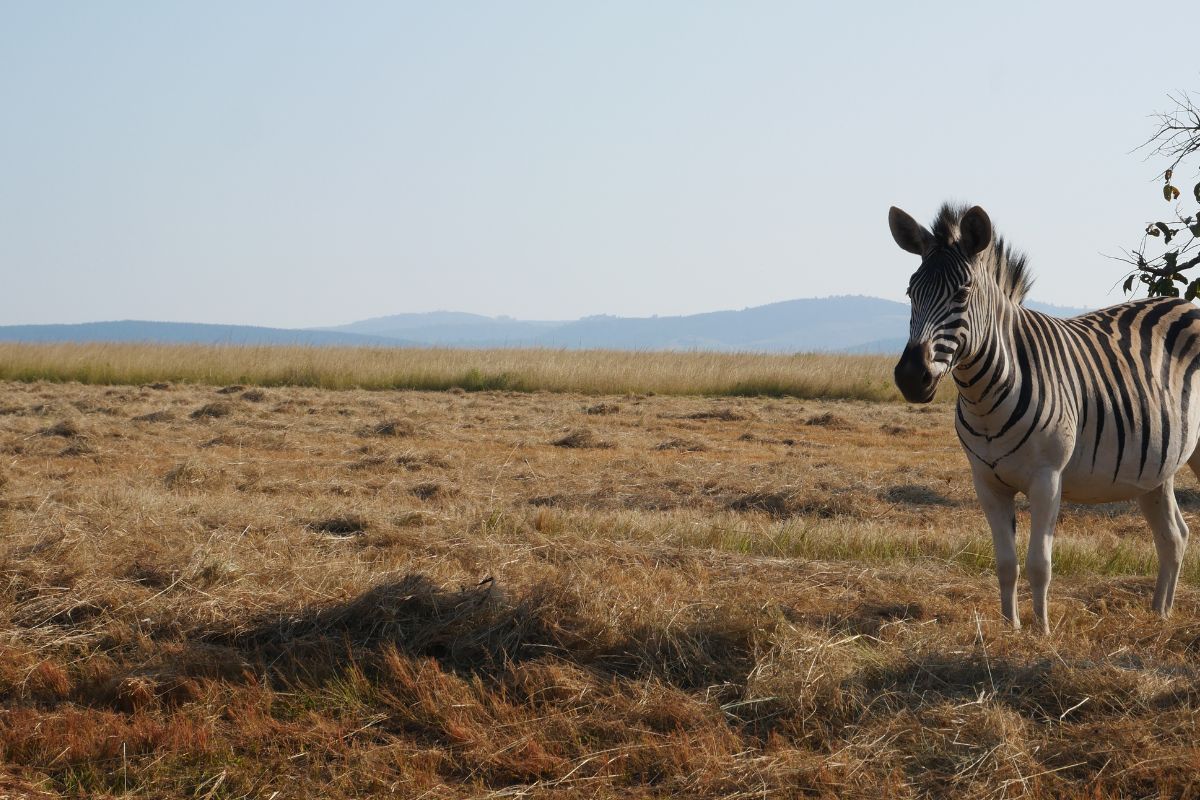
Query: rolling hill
point(839, 324)
point(189, 333)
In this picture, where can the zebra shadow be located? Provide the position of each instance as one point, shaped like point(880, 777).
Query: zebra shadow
point(476, 632)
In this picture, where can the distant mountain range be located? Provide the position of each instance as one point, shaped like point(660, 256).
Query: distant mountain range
point(840, 324)
point(191, 333)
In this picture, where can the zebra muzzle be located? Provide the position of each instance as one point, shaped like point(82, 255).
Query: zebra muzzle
point(914, 374)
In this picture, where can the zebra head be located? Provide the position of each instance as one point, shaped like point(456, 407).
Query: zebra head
point(941, 295)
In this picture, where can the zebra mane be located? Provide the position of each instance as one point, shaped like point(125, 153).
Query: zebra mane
point(1008, 266)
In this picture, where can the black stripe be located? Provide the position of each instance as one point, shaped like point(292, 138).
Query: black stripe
point(1139, 368)
point(1163, 383)
point(1023, 396)
point(1095, 369)
point(1185, 387)
point(1114, 372)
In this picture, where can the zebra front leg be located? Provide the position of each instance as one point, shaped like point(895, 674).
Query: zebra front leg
point(1170, 540)
point(1000, 510)
point(1045, 497)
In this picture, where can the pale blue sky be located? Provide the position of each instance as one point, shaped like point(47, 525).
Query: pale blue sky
point(296, 164)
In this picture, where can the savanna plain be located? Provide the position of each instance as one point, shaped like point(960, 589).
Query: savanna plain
point(279, 591)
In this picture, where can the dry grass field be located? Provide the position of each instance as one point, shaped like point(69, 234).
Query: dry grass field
point(588, 371)
point(296, 592)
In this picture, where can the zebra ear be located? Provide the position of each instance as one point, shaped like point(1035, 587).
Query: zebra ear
point(974, 231)
point(908, 233)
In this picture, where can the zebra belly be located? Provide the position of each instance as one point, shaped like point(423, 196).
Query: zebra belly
point(1079, 483)
point(1093, 488)
point(1108, 472)
point(1082, 479)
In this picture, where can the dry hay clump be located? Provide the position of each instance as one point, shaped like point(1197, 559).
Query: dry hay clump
point(599, 409)
point(193, 475)
point(340, 526)
point(584, 438)
point(831, 421)
point(682, 445)
point(155, 416)
point(787, 503)
point(66, 428)
point(433, 490)
point(79, 447)
point(391, 427)
point(915, 495)
point(723, 414)
point(215, 410)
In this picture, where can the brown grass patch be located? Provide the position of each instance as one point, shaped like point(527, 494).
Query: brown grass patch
point(915, 494)
point(155, 416)
point(77, 448)
point(215, 410)
point(582, 438)
point(191, 475)
point(341, 526)
point(683, 445)
point(66, 428)
point(391, 427)
point(722, 414)
point(432, 490)
point(830, 420)
point(602, 408)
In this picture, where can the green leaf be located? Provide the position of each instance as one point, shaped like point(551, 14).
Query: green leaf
point(1170, 193)
point(1128, 284)
point(1171, 258)
point(1192, 290)
point(1164, 287)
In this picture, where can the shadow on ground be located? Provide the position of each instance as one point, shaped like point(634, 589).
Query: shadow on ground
point(474, 632)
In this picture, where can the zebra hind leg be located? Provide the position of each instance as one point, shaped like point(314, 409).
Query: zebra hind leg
point(1170, 540)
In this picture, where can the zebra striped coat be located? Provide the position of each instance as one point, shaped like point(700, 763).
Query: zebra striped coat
point(1091, 409)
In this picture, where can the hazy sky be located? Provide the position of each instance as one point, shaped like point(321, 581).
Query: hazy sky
point(296, 164)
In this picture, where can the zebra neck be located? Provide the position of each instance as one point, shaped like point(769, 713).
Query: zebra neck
point(989, 375)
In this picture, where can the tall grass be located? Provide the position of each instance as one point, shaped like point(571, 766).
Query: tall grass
point(586, 371)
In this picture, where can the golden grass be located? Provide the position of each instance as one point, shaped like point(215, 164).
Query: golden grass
point(419, 594)
point(588, 371)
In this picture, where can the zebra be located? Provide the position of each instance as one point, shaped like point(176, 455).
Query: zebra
point(1097, 408)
